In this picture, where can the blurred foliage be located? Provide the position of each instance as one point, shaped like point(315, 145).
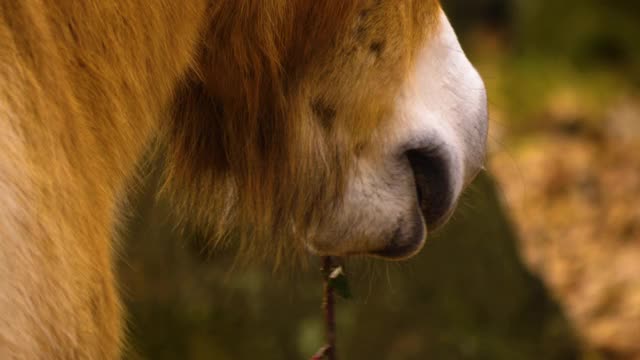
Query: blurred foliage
point(564, 89)
point(589, 33)
point(547, 60)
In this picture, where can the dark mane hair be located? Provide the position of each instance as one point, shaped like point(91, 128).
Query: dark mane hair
point(230, 125)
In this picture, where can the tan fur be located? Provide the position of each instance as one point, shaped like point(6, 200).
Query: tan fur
point(87, 86)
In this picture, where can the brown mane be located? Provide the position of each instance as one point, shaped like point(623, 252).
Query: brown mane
point(242, 118)
point(84, 86)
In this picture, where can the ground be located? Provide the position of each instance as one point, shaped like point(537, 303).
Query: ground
point(573, 189)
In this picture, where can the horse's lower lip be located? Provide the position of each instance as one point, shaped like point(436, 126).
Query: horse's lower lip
point(406, 241)
point(398, 252)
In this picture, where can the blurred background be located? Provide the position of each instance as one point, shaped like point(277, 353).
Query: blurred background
point(541, 261)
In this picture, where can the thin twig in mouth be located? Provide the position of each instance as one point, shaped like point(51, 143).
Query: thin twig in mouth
point(328, 305)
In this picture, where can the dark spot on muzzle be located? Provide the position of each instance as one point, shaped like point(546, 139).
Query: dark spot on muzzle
point(377, 47)
point(325, 113)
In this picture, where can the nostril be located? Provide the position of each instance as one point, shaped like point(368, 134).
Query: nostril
point(433, 184)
